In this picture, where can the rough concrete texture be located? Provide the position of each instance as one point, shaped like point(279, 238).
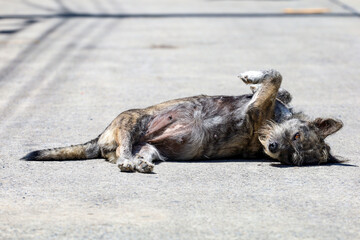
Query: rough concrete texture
point(63, 78)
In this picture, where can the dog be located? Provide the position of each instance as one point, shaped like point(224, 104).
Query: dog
point(210, 127)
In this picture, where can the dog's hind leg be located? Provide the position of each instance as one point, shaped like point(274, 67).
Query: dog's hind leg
point(123, 151)
point(144, 157)
point(111, 157)
point(121, 135)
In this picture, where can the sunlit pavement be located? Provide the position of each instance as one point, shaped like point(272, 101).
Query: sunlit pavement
point(67, 68)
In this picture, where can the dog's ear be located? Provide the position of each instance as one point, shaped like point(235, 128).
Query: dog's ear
point(327, 126)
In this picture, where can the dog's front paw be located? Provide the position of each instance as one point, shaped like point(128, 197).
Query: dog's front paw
point(252, 77)
point(126, 165)
point(144, 166)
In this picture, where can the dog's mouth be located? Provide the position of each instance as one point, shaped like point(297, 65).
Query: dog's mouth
point(286, 158)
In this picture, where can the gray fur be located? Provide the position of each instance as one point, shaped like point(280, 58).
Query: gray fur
point(210, 127)
point(308, 148)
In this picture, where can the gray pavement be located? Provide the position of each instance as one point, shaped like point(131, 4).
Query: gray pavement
point(67, 68)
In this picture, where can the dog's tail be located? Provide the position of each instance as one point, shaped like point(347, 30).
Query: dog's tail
point(87, 150)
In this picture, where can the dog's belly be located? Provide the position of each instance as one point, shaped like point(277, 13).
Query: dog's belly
point(187, 141)
point(176, 142)
point(198, 130)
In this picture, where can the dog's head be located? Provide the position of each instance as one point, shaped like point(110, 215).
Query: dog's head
point(299, 142)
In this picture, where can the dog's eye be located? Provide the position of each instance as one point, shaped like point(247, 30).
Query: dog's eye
point(296, 136)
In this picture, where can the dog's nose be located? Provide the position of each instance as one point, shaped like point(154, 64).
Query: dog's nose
point(273, 147)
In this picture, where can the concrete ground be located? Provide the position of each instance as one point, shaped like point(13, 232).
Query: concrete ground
point(67, 68)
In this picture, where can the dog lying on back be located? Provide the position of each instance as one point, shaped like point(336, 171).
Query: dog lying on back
point(210, 127)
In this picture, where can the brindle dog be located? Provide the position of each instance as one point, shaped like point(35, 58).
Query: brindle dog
point(210, 127)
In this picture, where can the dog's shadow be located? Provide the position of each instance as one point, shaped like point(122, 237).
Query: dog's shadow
point(216, 161)
point(272, 162)
point(279, 165)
